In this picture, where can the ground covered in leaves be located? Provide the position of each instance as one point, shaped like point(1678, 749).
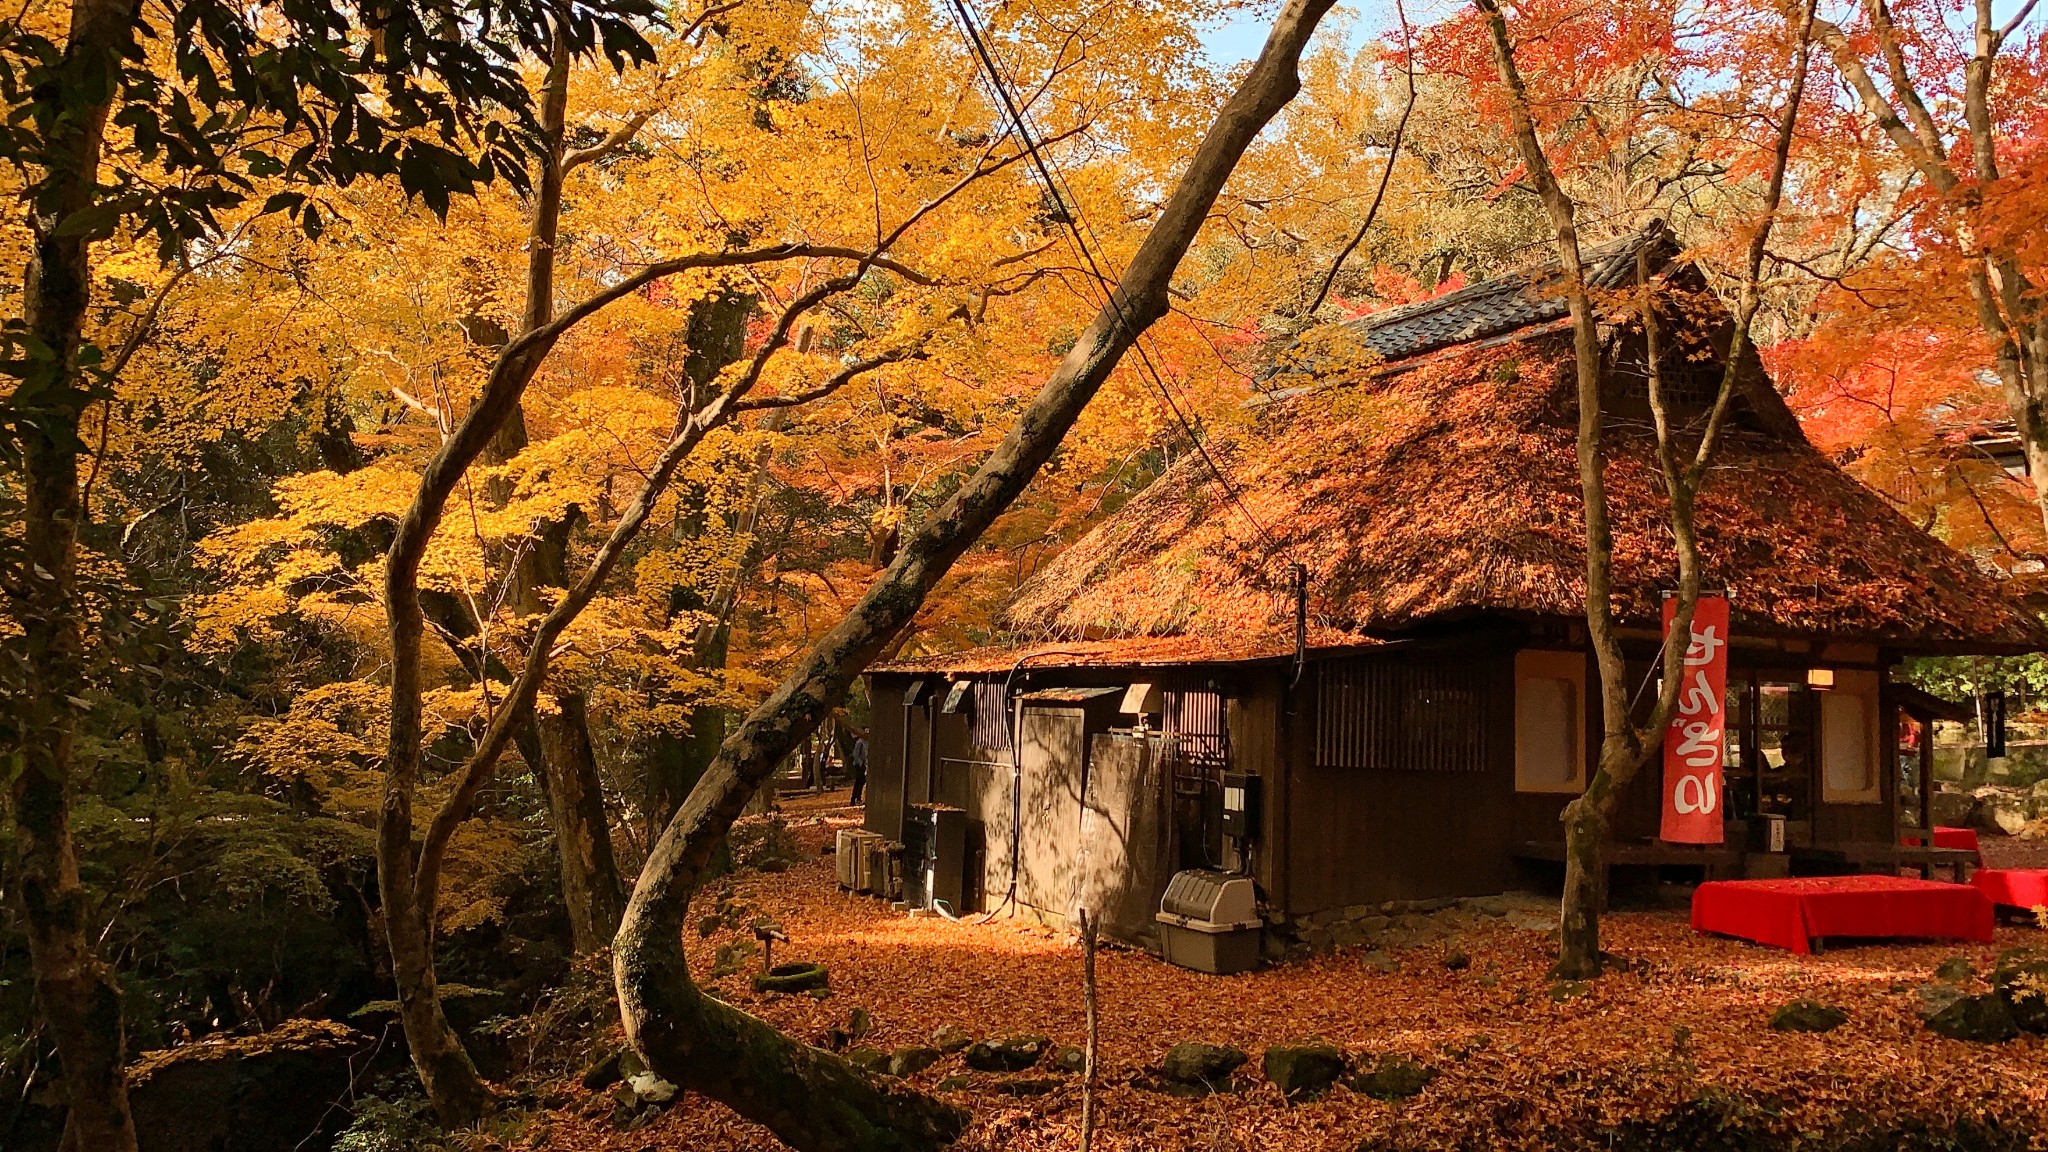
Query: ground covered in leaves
point(1673, 1051)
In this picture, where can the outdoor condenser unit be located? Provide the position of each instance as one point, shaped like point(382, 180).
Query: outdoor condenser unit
point(935, 857)
point(855, 859)
point(1209, 921)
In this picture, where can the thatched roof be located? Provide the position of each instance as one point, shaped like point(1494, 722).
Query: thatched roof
point(1446, 485)
point(1452, 487)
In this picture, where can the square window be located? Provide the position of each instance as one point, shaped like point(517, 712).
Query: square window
point(1550, 722)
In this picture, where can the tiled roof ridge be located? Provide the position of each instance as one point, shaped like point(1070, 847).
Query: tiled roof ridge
point(1510, 301)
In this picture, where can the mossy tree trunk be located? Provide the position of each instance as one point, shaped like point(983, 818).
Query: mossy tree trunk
point(74, 989)
point(814, 1101)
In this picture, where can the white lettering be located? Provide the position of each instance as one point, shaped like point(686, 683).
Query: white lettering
point(1699, 743)
point(1703, 646)
point(1699, 696)
point(1699, 797)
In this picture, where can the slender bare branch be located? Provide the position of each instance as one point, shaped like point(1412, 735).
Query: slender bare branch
point(1386, 174)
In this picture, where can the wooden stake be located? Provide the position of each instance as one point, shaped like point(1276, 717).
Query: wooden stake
point(1088, 927)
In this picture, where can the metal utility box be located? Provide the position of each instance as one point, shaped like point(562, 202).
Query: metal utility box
point(1241, 805)
point(885, 876)
point(854, 859)
point(1209, 921)
point(935, 857)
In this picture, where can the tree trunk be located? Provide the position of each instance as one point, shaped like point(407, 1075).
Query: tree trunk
point(1585, 885)
point(591, 889)
point(1623, 747)
point(811, 1099)
point(457, 1093)
point(717, 334)
point(1089, 926)
point(77, 994)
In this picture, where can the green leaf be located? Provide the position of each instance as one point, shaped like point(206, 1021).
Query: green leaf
point(94, 223)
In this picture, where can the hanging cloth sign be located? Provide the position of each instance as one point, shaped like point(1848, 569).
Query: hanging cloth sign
point(1697, 738)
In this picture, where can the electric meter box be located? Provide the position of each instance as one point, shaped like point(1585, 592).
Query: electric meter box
point(1241, 805)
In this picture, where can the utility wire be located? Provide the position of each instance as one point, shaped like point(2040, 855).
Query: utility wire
point(1069, 209)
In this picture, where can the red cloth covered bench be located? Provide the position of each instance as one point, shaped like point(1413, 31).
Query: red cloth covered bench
point(1946, 836)
point(1950, 837)
point(1793, 913)
point(2012, 887)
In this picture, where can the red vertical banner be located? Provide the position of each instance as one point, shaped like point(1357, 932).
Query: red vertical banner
point(1697, 737)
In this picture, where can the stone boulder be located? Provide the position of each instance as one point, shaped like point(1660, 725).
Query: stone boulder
point(1010, 1054)
point(2004, 811)
point(2023, 986)
point(1980, 1019)
point(1068, 1058)
point(1808, 1016)
point(1952, 809)
point(276, 1089)
point(951, 1038)
point(868, 1059)
point(616, 1065)
point(1303, 1070)
point(1198, 1065)
point(1394, 1077)
point(652, 1089)
point(910, 1061)
point(792, 978)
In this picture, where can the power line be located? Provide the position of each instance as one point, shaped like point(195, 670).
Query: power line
point(1076, 222)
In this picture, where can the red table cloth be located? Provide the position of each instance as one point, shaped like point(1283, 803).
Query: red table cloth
point(2016, 887)
point(1793, 913)
point(1946, 836)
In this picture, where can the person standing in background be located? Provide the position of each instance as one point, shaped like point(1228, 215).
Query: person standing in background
point(857, 763)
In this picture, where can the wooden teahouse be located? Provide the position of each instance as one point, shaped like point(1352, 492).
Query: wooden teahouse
point(1406, 723)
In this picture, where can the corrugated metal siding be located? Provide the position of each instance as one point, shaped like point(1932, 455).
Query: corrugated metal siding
point(988, 720)
point(1421, 717)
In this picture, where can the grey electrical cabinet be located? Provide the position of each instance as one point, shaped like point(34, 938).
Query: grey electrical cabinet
point(935, 857)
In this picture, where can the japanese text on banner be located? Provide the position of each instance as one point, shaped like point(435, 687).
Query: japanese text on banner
point(1697, 738)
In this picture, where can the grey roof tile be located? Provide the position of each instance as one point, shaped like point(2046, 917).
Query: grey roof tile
point(1505, 303)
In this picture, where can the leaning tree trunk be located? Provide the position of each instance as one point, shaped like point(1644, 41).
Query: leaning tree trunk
point(77, 994)
point(811, 1099)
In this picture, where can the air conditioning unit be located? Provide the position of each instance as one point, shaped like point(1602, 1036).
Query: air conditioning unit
point(855, 858)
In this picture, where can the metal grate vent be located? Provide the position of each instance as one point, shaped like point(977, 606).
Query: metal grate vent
point(1408, 717)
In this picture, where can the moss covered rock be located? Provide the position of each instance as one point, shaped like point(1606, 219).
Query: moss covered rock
point(793, 978)
point(1010, 1054)
point(1303, 1070)
point(1394, 1077)
point(2023, 986)
point(1209, 1066)
point(1808, 1016)
point(1981, 1019)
